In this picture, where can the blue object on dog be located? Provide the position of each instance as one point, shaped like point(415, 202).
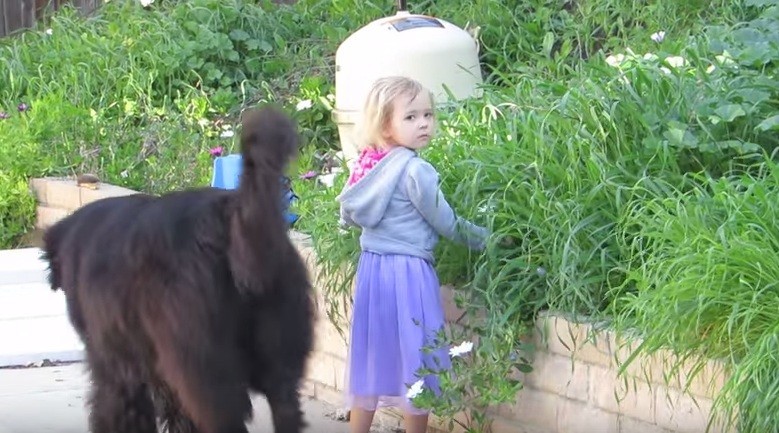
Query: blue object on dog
point(227, 174)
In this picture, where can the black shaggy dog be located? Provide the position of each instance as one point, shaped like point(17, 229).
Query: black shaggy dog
point(188, 302)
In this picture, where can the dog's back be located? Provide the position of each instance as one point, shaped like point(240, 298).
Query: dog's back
point(69, 238)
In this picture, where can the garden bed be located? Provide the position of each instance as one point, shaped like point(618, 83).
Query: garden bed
point(575, 385)
point(623, 157)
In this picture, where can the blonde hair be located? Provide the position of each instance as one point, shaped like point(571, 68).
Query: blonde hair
point(377, 111)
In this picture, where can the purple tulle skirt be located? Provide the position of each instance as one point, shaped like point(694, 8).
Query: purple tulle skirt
point(397, 311)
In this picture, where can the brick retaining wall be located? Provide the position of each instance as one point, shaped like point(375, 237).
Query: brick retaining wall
point(574, 387)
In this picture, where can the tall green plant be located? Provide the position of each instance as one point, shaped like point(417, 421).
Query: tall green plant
point(705, 286)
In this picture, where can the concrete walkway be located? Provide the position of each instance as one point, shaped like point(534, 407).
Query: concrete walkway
point(34, 328)
point(51, 400)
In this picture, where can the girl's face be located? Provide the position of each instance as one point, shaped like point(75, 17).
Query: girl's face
point(412, 123)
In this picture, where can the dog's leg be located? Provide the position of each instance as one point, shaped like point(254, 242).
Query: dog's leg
point(279, 361)
point(202, 368)
point(284, 401)
point(172, 419)
point(279, 383)
point(211, 394)
point(119, 402)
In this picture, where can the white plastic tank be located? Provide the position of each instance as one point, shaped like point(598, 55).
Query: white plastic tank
point(435, 52)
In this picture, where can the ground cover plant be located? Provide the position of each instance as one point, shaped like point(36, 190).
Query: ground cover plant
point(623, 154)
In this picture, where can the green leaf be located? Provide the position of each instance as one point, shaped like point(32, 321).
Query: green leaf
point(548, 43)
point(741, 146)
point(280, 42)
point(252, 44)
point(769, 124)
point(759, 3)
point(525, 368)
point(239, 35)
point(678, 135)
point(265, 46)
point(753, 96)
point(233, 56)
point(729, 112)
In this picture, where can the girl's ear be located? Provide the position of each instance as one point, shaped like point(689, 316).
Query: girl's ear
point(386, 130)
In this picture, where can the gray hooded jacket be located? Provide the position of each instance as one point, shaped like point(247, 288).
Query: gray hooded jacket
point(401, 210)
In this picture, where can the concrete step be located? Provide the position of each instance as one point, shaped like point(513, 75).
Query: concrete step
point(21, 266)
point(34, 323)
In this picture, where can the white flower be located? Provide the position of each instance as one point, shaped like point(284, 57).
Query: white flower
point(675, 61)
point(415, 389)
point(462, 349)
point(724, 58)
point(658, 36)
point(304, 104)
point(146, 3)
point(328, 179)
point(615, 59)
point(49, 32)
point(229, 133)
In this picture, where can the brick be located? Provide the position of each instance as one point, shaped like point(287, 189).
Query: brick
point(301, 239)
point(577, 340)
point(621, 395)
point(308, 388)
point(437, 423)
point(104, 190)
point(46, 216)
point(38, 188)
point(329, 395)
point(707, 382)
point(539, 409)
point(632, 425)
point(62, 193)
point(389, 418)
point(452, 313)
point(328, 339)
point(663, 368)
point(559, 375)
point(326, 369)
point(656, 368)
point(681, 413)
point(502, 425)
point(578, 417)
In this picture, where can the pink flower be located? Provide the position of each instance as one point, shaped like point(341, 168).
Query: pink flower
point(23, 107)
point(216, 151)
point(4, 115)
point(308, 175)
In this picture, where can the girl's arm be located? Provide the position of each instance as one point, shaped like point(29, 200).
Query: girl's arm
point(424, 192)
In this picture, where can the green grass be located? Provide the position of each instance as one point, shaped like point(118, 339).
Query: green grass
point(621, 183)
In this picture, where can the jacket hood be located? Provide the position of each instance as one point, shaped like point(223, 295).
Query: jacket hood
point(366, 201)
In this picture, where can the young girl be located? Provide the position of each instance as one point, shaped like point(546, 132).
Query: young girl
point(393, 196)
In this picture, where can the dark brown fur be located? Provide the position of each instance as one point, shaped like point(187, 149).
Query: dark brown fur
point(189, 301)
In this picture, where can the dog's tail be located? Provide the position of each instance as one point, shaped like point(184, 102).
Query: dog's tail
point(269, 140)
point(52, 245)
